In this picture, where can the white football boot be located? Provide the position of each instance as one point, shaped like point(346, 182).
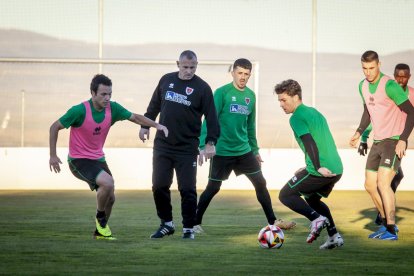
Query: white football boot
point(333, 242)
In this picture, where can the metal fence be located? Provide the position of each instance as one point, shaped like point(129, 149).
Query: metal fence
point(50, 51)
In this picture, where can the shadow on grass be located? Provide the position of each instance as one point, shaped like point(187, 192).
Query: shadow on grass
point(371, 214)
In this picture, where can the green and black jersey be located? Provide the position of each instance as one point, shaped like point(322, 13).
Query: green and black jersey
point(236, 111)
point(306, 120)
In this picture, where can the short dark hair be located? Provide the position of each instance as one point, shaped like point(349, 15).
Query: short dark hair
point(188, 54)
point(402, 66)
point(243, 63)
point(290, 87)
point(370, 56)
point(100, 79)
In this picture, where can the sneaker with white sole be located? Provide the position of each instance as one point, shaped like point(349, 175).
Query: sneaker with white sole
point(333, 242)
point(164, 230)
point(285, 225)
point(198, 229)
point(316, 227)
point(388, 236)
point(188, 234)
point(381, 230)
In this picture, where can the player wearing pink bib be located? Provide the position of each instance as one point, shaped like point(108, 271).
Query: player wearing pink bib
point(384, 106)
point(89, 124)
point(401, 76)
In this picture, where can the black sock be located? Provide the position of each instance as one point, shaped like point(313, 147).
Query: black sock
point(391, 228)
point(100, 215)
point(331, 230)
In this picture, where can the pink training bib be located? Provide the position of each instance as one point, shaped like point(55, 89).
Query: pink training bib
point(87, 141)
point(386, 118)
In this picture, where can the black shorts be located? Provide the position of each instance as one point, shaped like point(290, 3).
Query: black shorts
point(307, 184)
point(88, 170)
point(222, 166)
point(382, 154)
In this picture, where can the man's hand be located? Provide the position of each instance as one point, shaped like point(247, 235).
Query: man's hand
point(201, 157)
point(209, 151)
point(400, 148)
point(54, 162)
point(325, 172)
point(354, 140)
point(144, 134)
point(363, 148)
point(259, 159)
point(160, 128)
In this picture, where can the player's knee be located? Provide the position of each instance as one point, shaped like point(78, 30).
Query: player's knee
point(313, 200)
point(383, 186)
point(370, 188)
point(260, 185)
point(105, 181)
point(107, 186)
point(258, 181)
point(283, 195)
point(213, 187)
point(399, 176)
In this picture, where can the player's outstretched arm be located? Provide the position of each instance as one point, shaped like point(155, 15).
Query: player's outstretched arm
point(54, 160)
point(144, 121)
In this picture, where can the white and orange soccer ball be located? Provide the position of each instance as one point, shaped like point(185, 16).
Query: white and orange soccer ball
point(271, 236)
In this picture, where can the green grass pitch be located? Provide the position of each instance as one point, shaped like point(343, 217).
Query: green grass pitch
point(50, 232)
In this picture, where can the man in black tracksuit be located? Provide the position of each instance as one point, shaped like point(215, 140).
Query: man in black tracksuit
point(181, 98)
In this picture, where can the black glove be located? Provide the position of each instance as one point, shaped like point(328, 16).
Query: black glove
point(363, 148)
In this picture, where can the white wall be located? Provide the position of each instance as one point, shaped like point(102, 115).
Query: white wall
point(28, 168)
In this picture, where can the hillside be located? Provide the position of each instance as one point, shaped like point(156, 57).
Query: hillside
point(45, 84)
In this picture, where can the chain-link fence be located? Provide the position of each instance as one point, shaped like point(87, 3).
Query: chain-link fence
point(48, 56)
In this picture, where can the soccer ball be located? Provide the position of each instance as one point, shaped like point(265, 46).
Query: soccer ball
point(271, 236)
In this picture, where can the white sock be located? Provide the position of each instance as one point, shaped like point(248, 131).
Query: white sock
point(169, 223)
point(334, 236)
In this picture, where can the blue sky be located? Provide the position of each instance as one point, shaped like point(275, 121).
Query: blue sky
point(350, 26)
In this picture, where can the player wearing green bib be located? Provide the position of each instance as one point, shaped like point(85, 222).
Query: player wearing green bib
point(323, 165)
